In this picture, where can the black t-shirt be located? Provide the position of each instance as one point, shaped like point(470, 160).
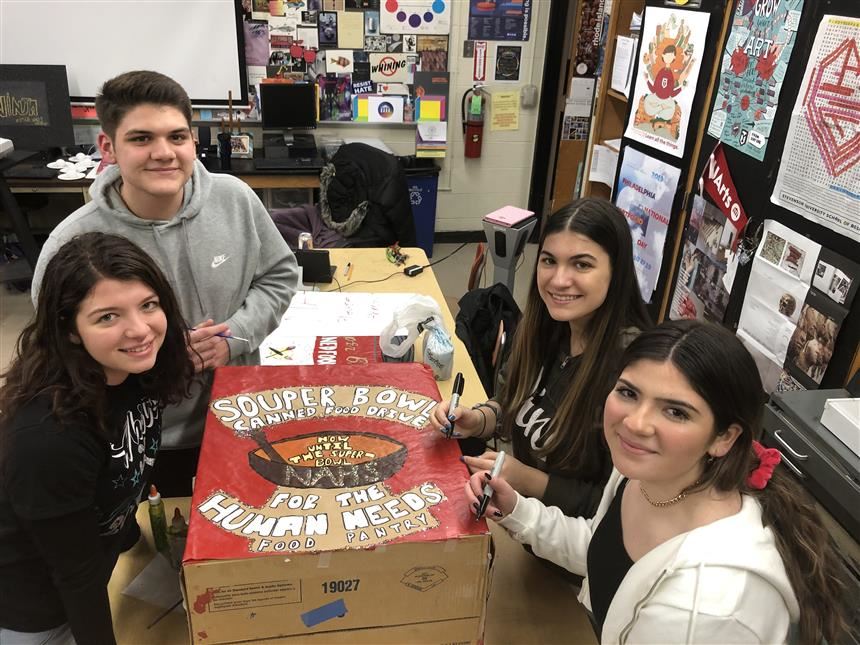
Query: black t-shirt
point(70, 477)
point(576, 493)
point(608, 560)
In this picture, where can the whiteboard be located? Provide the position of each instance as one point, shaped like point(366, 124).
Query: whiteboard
point(195, 42)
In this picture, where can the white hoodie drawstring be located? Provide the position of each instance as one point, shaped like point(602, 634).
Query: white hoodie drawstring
point(694, 612)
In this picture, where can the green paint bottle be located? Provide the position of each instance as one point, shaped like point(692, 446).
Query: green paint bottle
point(158, 521)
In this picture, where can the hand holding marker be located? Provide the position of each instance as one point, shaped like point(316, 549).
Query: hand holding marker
point(488, 489)
point(455, 401)
point(224, 335)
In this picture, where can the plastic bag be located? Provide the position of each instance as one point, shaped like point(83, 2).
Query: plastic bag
point(420, 313)
point(438, 349)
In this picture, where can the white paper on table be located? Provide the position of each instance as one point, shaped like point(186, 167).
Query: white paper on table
point(622, 66)
point(333, 313)
point(604, 162)
point(157, 584)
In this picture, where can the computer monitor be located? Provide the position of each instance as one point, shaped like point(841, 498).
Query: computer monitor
point(34, 107)
point(288, 106)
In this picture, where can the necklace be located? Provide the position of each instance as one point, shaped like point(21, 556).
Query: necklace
point(666, 502)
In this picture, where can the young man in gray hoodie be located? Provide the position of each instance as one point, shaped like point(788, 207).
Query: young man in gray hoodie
point(232, 272)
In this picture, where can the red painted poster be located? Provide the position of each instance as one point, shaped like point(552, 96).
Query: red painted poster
point(317, 458)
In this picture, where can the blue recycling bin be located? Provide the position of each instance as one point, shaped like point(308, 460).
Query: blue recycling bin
point(423, 181)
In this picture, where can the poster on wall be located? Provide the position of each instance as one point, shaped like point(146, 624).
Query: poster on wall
point(796, 300)
point(753, 68)
point(699, 290)
point(645, 192)
point(415, 17)
point(589, 37)
point(505, 20)
point(673, 41)
point(508, 62)
point(819, 176)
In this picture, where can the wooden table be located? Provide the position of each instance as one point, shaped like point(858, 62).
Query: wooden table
point(528, 603)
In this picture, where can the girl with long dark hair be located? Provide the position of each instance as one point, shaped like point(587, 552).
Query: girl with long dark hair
point(583, 308)
point(80, 425)
point(700, 536)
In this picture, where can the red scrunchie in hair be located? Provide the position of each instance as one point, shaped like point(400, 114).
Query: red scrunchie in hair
point(768, 458)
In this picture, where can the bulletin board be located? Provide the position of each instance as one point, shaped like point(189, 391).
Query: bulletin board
point(790, 234)
point(372, 61)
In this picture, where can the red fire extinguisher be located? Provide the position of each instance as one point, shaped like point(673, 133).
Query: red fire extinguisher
point(473, 105)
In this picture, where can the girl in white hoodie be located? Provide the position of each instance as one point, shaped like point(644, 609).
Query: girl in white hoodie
point(699, 536)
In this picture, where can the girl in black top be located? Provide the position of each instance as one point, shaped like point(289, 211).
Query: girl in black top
point(583, 308)
point(80, 424)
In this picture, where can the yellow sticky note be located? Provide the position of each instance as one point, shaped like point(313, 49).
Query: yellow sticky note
point(431, 110)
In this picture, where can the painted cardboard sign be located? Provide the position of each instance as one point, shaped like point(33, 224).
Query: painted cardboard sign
point(304, 459)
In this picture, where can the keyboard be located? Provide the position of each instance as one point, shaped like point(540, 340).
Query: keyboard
point(289, 163)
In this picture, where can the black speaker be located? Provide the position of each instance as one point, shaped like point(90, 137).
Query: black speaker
point(204, 138)
point(501, 244)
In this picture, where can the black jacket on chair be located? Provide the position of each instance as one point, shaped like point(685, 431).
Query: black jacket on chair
point(364, 196)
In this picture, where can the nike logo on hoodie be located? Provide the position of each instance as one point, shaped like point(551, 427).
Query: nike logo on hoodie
point(218, 260)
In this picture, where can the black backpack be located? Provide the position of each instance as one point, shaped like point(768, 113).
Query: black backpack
point(477, 325)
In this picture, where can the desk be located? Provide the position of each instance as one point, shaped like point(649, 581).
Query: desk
point(371, 264)
point(23, 176)
point(528, 604)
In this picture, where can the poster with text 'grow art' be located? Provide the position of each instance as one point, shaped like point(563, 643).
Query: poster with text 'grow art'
point(753, 69)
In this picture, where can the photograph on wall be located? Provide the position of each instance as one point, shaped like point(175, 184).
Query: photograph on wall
point(256, 43)
point(754, 63)
point(415, 16)
point(432, 53)
point(327, 26)
point(810, 347)
point(837, 278)
point(371, 23)
point(335, 97)
point(494, 20)
point(819, 174)
point(339, 61)
point(699, 290)
point(673, 41)
point(645, 192)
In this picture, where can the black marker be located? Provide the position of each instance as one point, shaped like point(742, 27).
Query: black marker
point(455, 401)
point(488, 490)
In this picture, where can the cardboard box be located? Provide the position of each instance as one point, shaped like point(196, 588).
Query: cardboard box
point(326, 510)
